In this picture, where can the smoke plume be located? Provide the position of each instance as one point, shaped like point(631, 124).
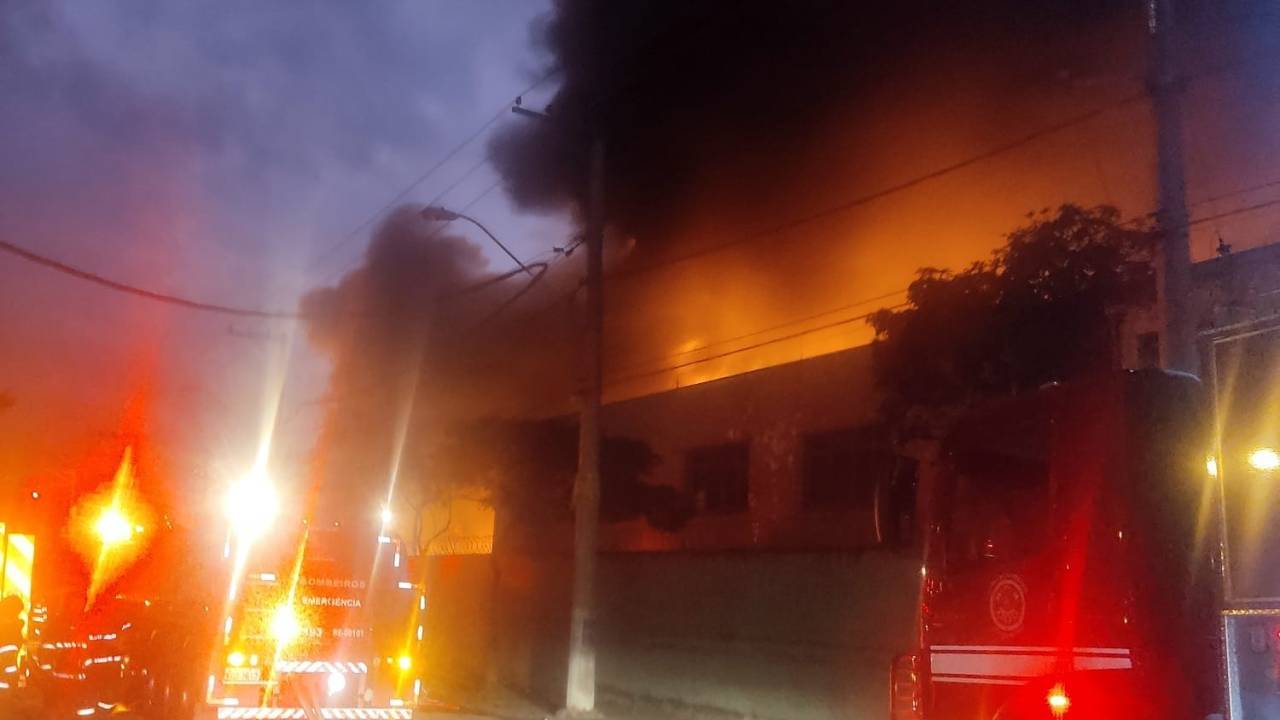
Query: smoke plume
point(425, 339)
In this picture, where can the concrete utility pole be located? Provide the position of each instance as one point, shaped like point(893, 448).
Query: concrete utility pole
point(1166, 87)
point(580, 690)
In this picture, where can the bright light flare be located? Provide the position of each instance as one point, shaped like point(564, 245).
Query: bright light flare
point(1211, 466)
point(103, 527)
point(1058, 701)
point(1265, 459)
point(285, 627)
point(235, 659)
point(335, 683)
point(252, 505)
point(386, 516)
point(113, 528)
point(405, 662)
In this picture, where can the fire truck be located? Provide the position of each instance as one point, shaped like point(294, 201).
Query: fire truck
point(1073, 565)
point(1242, 366)
point(320, 621)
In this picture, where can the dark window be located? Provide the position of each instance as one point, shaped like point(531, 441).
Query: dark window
point(999, 509)
point(843, 468)
point(717, 477)
point(1149, 350)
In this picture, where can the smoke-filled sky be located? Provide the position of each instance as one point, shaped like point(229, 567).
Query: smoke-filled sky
point(783, 167)
point(222, 151)
point(219, 151)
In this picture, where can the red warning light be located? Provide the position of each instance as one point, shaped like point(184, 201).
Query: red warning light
point(1058, 700)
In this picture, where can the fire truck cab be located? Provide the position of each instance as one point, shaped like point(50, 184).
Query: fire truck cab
point(1070, 564)
point(322, 622)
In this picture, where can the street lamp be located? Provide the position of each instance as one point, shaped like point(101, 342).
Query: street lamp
point(1265, 459)
point(440, 214)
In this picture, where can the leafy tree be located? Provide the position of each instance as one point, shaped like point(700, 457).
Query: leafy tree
point(1043, 308)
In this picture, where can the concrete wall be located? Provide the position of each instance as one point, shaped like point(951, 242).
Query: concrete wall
point(770, 635)
point(781, 611)
point(763, 635)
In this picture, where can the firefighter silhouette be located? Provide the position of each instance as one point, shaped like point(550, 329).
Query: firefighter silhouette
point(11, 627)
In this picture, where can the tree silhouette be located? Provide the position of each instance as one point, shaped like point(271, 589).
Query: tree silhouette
point(1043, 308)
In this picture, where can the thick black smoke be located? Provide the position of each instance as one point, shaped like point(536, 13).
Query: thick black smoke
point(419, 345)
point(727, 104)
point(454, 380)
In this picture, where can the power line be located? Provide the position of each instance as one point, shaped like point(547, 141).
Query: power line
point(779, 326)
point(333, 274)
point(754, 346)
point(798, 321)
point(1233, 213)
point(136, 291)
point(452, 153)
point(1235, 193)
point(887, 191)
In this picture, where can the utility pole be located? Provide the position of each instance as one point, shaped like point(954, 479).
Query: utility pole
point(580, 689)
point(1166, 86)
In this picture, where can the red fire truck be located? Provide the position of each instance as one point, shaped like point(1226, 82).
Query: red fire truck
point(320, 622)
point(1072, 563)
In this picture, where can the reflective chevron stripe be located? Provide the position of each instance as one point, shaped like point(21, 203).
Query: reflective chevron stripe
point(1016, 664)
point(321, 666)
point(258, 713)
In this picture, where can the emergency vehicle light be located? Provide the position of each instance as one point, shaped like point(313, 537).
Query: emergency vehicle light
point(113, 528)
point(285, 627)
point(1058, 700)
point(251, 506)
point(1265, 459)
point(335, 683)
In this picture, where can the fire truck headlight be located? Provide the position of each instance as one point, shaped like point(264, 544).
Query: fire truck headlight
point(251, 506)
point(1265, 459)
point(285, 627)
point(335, 683)
point(235, 659)
point(405, 662)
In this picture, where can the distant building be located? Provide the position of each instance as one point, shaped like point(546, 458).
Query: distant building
point(792, 456)
point(1234, 288)
point(787, 457)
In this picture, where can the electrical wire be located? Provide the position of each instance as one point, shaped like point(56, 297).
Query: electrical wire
point(534, 280)
point(860, 200)
point(1233, 213)
point(755, 346)
point(165, 298)
point(541, 267)
point(773, 328)
point(440, 163)
point(798, 321)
